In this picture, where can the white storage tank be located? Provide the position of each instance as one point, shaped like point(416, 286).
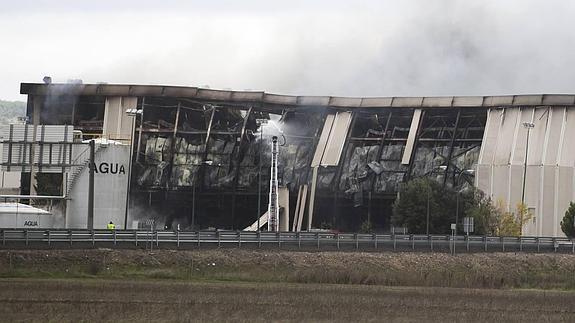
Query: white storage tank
point(23, 216)
point(111, 159)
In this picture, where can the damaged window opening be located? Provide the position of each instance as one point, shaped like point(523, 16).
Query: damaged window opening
point(88, 115)
point(373, 159)
point(448, 144)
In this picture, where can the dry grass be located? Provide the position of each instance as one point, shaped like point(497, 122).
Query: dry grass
point(505, 270)
point(254, 286)
point(133, 301)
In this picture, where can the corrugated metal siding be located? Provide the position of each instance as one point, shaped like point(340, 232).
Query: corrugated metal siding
point(567, 156)
point(553, 136)
point(51, 136)
point(490, 137)
point(520, 137)
point(550, 183)
point(537, 137)
point(505, 136)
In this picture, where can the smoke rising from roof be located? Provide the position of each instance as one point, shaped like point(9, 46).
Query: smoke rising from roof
point(367, 48)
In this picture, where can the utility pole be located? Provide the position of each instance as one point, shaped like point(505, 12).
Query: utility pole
point(260, 180)
point(456, 210)
point(458, 194)
point(428, 197)
point(91, 185)
point(133, 113)
point(194, 205)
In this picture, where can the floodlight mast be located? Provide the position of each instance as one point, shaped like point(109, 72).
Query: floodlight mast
point(528, 126)
point(273, 214)
point(133, 113)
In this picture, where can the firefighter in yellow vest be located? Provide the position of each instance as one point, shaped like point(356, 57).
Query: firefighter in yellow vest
point(111, 226)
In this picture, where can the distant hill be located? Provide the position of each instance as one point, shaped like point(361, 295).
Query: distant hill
point(11, 110)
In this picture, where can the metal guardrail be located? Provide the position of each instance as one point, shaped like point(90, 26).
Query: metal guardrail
point(53, 238)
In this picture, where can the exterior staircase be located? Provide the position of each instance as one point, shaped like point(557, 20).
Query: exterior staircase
point(77, 171)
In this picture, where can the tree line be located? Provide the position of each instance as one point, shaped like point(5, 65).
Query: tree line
point(425, 206)
point(11, 110)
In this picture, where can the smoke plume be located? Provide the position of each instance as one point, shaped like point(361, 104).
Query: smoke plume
point(359, 48)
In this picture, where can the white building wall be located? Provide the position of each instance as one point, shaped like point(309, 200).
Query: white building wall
point(9, 180)
point(117, 123)
point(550, 182)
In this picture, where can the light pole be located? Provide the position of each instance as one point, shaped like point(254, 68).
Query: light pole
point(133, 113)
point(427, 213)
point(260, 123)
point(458, 192)
point(528, 126)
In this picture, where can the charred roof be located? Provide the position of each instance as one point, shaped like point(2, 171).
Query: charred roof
point(263, 98)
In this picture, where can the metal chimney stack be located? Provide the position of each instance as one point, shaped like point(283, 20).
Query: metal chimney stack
point(273, 220)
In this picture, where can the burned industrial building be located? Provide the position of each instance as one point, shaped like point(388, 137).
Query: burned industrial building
point(197, 154)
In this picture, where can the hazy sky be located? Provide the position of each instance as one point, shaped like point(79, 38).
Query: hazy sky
point(347, 48)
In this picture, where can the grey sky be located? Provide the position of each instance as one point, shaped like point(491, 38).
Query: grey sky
point(352, 48)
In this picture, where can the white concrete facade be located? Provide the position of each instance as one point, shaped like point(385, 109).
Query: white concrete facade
point(549, 181)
